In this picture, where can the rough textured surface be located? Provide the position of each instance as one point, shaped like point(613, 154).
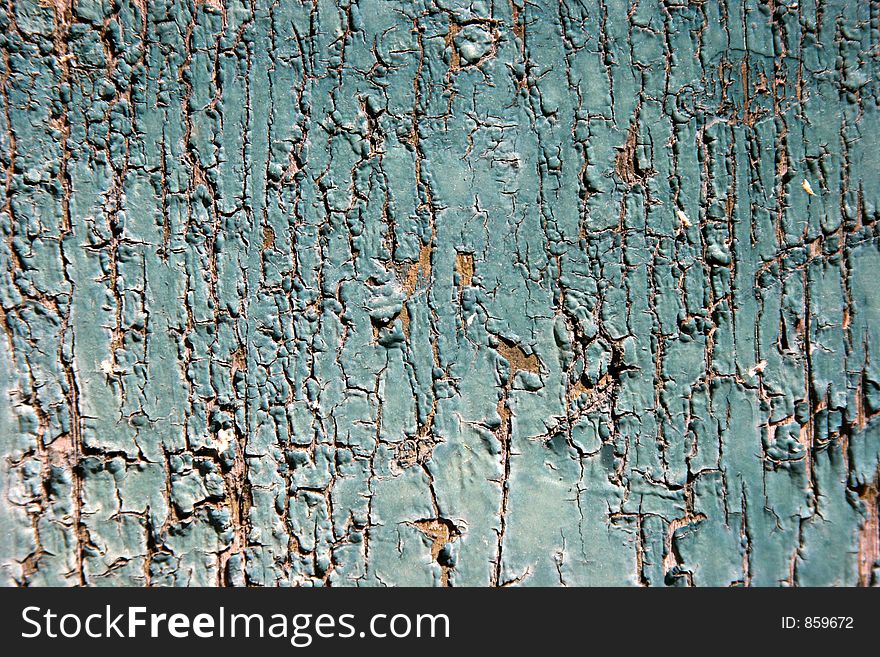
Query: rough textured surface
point(439, 292)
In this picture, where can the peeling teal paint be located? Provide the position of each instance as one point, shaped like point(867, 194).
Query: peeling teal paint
point(439, 293)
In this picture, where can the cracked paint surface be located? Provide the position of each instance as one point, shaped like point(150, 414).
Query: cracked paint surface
point(441, 292)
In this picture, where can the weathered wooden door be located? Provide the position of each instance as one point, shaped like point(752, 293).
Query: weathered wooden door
point(439, 292)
